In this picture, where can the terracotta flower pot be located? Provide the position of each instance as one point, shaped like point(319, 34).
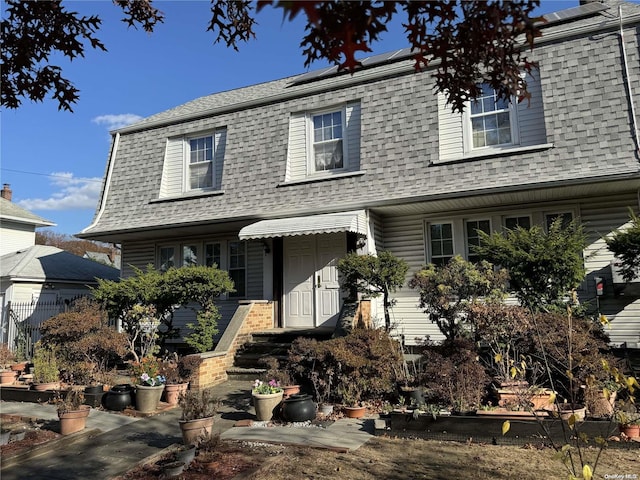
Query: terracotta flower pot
point(148, 398)
point(631, 431)
point(7, 377)
point(290, 390)
point(74, 420)
point(266, 404)
point(354, 412)
point(196, 430)
point(173, 391)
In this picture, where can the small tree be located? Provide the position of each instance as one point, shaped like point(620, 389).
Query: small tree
point(373, 276)
point(625, 245)
point(133, 300)
point(544, 267)
point(447, 291)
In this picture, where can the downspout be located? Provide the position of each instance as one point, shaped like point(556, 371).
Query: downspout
point(625, 66)
point(107, 182)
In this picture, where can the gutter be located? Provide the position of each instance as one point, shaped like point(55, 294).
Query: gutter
point(377, 204)
point(625, 66)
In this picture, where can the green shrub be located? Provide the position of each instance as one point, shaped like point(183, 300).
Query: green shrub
point(45, 365)
point(544, 267)
point(625, 244)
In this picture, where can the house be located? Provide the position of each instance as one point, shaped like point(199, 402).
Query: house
point(17, 225)
point(37, 281)
point(276, 182)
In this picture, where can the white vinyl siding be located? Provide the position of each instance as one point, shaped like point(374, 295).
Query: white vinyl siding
point(16, 236)
point(176, 168)
point(530, 127)
point(300, 149)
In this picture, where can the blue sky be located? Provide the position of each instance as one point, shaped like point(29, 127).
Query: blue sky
point(54, 160)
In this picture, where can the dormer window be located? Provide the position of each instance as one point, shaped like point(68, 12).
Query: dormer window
point(328, 148)
point(201, 162)
point(491, 121)
point(193, 164)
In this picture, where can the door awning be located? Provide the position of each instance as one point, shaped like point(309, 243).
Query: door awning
point(355, 222)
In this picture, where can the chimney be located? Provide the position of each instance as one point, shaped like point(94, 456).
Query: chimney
point(6, 192)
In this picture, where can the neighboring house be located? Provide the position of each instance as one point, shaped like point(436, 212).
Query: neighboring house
point(17, 225)
point(275, 182)
point(37, 281)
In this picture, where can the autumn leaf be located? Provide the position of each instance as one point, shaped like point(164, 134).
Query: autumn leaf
point(505, 427)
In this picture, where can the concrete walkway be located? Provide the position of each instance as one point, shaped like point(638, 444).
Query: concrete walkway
point(113, 443)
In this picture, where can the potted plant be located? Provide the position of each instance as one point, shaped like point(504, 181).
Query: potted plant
point(281, 375)
point(267, 396)
point(7, 375)
point(72, 412)
point(46, 375)
point(198, 410)
point(628, 423)
point(350, 391)
point(149, 384)
point(178, 372)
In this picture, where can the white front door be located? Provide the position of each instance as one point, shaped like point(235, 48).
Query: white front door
point(311, 289)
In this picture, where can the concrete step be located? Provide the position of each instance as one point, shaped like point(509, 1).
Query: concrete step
point(245, 374)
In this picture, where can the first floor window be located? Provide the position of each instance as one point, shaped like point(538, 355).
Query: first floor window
point(212, 254)
point(201, 163)
point(189, 255)
point(565, 219)
point(473, 237)
point(238, 268)
point(512, 223)
point(230, 256)
point(441, 242)
point(166, 258)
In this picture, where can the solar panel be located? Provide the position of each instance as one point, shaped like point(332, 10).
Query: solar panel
point(554, 18)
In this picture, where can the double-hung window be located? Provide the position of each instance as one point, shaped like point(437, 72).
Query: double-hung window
point(201, 169)
point(473, 237)
point(491, 121)
point(440, 242)
point(328, 145)
point(226, 255)
point(512, 223)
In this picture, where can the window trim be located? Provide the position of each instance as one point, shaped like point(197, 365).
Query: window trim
point(467, 131)
point(200, 244)
point(427, 233)
point(310, 148)
point(465, 222)
point(186, 178)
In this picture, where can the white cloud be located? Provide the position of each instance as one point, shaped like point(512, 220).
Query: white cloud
point(72, 193)
point(114, 122)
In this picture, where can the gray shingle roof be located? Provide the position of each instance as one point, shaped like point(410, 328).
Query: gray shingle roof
point(11, 211)
point(47, 263)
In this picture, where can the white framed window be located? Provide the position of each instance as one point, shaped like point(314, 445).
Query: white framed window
point(238, 268)
point(490, 122)
point(166, 257)
point(200, 154)
point(549, 218)
point(472, 236)
point(522, 221)
point(440, 239)
point(327, 138)
point(227, 255)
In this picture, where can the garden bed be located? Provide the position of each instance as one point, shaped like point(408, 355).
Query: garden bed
point(488, 429)
point(23, 393)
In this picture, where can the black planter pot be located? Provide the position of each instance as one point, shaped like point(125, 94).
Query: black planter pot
point(412, 395)
point(94, 389)
point(118, 398)
point(298, 408)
